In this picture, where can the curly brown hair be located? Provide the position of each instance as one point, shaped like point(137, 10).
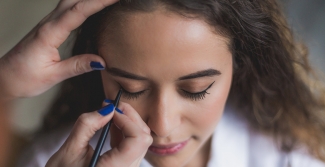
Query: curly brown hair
point(273, 84)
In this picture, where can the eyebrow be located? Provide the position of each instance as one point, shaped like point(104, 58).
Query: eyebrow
point(198, 74)
point(203, 73)
point(124, 74)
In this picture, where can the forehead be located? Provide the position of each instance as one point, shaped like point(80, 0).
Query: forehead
point(159, 39)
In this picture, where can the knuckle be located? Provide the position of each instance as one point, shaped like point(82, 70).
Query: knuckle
point(148, 139)
point(145, 139)
point(84, 120)
point(146, 129)
point(78, 8)
point(43, 31)
point(79, 67)
point(126, 106)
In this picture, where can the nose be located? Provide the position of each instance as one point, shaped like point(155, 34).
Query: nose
point(165, 116)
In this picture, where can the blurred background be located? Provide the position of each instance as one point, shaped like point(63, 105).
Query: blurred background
point(18, 17)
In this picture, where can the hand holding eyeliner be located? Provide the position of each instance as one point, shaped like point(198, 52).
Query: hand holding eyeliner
point(103, 135)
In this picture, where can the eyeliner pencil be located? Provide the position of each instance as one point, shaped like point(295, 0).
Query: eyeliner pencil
point(103, 135)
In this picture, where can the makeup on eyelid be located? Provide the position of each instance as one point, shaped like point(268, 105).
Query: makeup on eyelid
point(195, 86)
point(193, 95)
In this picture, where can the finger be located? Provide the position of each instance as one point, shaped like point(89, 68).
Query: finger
point(77, 65)
point(133, 146)
point(116, 136)
point(85, 128)
point(74, 17)
point(128, 110)
point(134, 116)
point(63, 5)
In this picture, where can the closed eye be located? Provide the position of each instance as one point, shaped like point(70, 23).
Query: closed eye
point(195, 96)
point(132, 95)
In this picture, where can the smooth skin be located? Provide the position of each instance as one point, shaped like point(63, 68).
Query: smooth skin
point(152, 56)
point(34, 66)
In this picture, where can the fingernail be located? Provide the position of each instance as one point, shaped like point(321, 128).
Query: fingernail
point(119, 111)
point(106, 110)
point(108, 101)
point(96, 65)
point(112, 101)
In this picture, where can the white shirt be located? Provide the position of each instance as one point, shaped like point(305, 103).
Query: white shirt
point(234, 144)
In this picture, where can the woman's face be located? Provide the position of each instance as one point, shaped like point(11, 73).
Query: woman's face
point(176, 72)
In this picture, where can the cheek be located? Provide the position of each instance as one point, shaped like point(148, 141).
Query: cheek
point(206, 116)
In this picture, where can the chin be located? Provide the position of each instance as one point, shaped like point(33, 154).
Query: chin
point(165, 162)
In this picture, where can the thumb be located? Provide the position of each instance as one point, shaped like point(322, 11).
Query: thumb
point(85, 128)
point(77, 65)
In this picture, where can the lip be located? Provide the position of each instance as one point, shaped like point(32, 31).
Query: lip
point(167, 149)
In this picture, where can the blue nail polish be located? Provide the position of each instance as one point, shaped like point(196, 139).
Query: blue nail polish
point(119, 111)
point(96, 65)
point(108, 101)
point(106, 110)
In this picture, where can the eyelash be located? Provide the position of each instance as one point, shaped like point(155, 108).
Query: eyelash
point(198, 95)
point(132, 96)
point(193, 96)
